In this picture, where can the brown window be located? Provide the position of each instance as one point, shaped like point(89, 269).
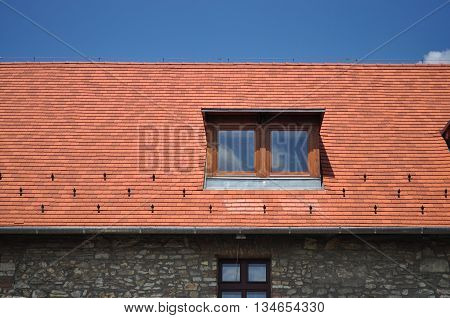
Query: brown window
point(263, 145)
point(244, 278)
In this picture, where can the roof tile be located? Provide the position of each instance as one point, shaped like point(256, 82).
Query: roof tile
point(131, 120)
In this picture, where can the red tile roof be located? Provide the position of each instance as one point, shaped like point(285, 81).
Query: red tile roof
point(78, 121)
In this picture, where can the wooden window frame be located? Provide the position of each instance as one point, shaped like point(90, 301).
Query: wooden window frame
point(244, 285)
point(262, 155)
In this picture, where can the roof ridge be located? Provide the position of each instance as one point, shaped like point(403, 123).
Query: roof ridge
point(229, 63)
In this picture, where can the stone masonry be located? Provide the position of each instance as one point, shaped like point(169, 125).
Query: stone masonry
point(186, 266)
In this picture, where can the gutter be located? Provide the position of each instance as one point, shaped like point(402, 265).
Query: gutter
point(42, 230)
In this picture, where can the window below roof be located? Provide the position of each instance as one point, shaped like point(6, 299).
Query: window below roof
point(262, 150)
point(244, 278)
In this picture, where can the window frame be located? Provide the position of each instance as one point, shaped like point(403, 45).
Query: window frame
point(244, 285)
point(262, 154)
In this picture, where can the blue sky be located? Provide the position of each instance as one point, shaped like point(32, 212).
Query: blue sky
point(207, 30)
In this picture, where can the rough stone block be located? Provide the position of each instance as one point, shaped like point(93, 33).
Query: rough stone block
point(7, 267)
point(310, 244)
point(6, 282)
point(434, 265)
point(101, 255)
point(191, 286)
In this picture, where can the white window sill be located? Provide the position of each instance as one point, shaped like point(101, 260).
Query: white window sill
point(255, 183)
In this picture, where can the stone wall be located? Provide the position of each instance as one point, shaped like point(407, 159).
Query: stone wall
point(186, 266)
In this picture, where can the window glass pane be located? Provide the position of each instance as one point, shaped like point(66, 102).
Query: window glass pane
point(256, 294)
point(256, 272)
point(231, 294)
point(231, 272)
point(289, 151)
point(236, 150)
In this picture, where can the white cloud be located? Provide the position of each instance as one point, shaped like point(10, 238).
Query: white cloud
point(436, 57)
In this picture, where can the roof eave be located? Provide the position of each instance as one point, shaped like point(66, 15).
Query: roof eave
point(42, 230)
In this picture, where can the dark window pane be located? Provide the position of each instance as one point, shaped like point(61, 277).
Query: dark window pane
point(256, 294)
point(231, 272)
point(256, 272)
point(231, 294)
point(289, 151)
point(236, 150)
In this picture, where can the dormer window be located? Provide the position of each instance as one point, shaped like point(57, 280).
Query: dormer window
point(259, 149)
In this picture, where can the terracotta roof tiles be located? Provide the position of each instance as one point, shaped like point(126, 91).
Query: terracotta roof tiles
point(130, 121)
